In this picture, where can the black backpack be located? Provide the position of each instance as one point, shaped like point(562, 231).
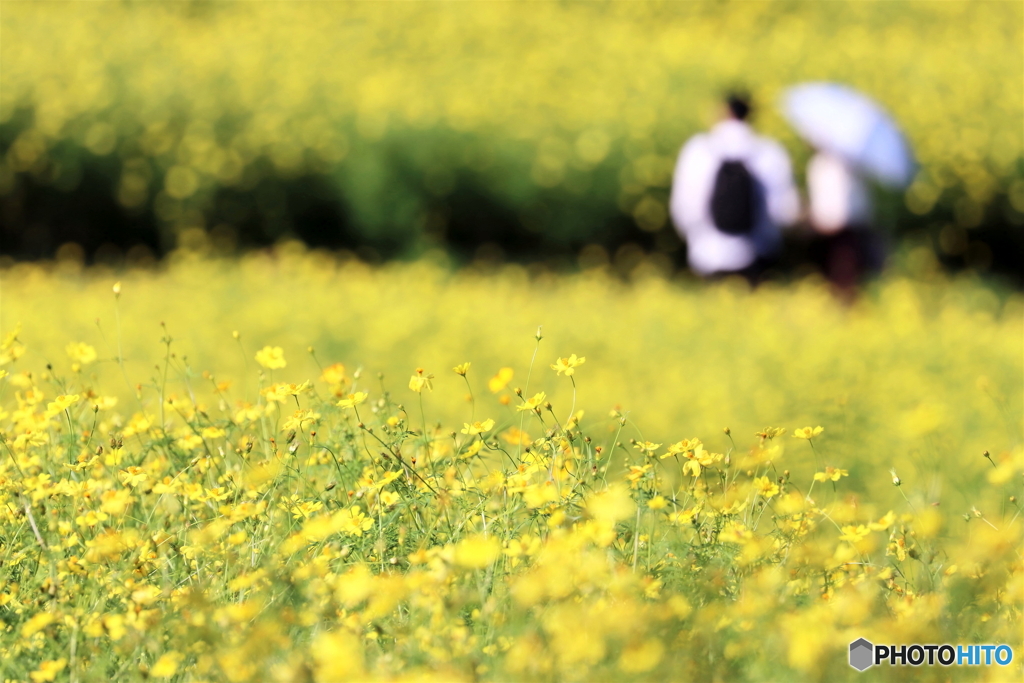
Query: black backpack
point(734, 200)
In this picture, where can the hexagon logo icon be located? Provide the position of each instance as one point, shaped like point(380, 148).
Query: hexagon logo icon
point(861, 654)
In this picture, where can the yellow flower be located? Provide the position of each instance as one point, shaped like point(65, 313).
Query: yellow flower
point(271, 357)
point(735, 532)
point(897, 547)
point(189, 442)
point(533, 403)
point(333, 374)
point(81, 353)
point(657, 503)
point(682, 516)
point(213, 433)
point(639, 657)
point(567, 366)
point(30, 438)
point(766, 487)
point(61, 403)
point(367, 481)
point(884, 523)
point(116, 502)
point(637, 472)
point(472, 449)
point(538, 495)
point(830, 474)
point(248, 413)
point(681, 447)
point(516, 437)
point(697, 458)
point(478, 427)
point(132, 476)
point(421, 381)
point(11, 349)
point(612, 505)
point(48, 670)
point(139, 424)
point(461, 369)
point(691, 466)
point(352, 521)
point(500, 380)
point(303, 509)
point(646, 447)
point(299, 420)
point(104, 402)
point(807, 432)
point(353, 400)
point(338, 656)
point(281, 392)
point(477, 552)
point(114, 625)
point(770, 433)
point(37, 623)
point(167, 665)
point(91, 519)
point(389, 498)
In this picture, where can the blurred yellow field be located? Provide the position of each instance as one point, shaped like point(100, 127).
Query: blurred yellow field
point(534, 106)
point(290, 467)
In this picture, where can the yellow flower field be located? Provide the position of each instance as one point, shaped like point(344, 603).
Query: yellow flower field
point(295, 468)
point(395, 106)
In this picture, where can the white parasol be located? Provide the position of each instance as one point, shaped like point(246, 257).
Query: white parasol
point(842, 121)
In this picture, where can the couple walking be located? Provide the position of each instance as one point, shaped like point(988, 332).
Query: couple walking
point(733, 191)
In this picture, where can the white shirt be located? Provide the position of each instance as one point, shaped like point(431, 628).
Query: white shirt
point(709, 249)
point(837, 195)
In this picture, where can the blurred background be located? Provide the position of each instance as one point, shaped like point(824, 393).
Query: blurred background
point(540, 132)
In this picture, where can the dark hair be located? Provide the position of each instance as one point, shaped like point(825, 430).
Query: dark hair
point(739, 105)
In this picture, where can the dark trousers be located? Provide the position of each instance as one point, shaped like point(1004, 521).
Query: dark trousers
point(847, 257)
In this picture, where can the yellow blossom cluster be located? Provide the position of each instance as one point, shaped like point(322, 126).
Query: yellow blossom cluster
point(230, 519)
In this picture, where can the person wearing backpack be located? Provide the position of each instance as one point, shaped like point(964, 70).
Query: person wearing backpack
point(731, 192)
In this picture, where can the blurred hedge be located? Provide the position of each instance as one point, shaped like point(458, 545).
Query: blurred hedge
point(532, 129)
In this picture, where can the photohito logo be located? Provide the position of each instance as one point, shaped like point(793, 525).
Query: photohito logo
point(864, 654)
point(861, 654)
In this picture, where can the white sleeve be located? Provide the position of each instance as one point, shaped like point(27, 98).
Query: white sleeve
point(691, 185)
point(828, 192)
point(776, 173)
